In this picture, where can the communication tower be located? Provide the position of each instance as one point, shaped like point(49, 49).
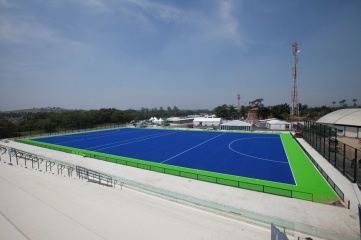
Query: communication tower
point(295, 111)
point(239, 101)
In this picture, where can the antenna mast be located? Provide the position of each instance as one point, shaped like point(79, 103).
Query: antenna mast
point(239, 101)
point(295, 111)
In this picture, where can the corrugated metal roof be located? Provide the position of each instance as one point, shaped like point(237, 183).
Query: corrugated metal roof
point(348, 116)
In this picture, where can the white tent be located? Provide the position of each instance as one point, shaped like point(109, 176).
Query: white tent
point(158, 121)
point(278, 125)
point(236, 125)
point(152, 119)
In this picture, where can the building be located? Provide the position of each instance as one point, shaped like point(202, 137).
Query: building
point(207, 122)
point(262, 123)
point(252, 115)
point(236, 125)
point(346, 121)
point(179, 121)
point(278, 125)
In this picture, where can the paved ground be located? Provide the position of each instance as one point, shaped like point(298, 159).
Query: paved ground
point(79, 205)
point(353, 142)
point(36, 205)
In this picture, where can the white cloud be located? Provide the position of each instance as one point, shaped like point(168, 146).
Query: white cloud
point(27, 31)
point(23, 30)
point(228, 25)
point(6, 4)
point(215, 27)
point(99, 5)
point(161, 11)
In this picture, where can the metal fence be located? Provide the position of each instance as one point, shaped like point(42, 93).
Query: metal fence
point(56, 167)
point(323, 139)
point(29, 133)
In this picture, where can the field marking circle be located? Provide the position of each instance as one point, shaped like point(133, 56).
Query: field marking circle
point(259, 158)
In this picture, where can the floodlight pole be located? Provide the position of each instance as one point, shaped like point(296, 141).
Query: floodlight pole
point(295, 111)
point(239, 101)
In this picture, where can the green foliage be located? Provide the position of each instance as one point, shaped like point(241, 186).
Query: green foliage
point(317, 112)
point(6, 128)
point(256, 103)
point(226, 112)
point(281, 111)
point(263, 112)
point(51, 121)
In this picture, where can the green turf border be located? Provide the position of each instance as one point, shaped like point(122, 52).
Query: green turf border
point(310, 186)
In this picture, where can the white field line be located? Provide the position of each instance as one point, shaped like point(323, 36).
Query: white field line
point(131, 141)
point(284, 149)
point(101, 136)
point(98, 136)
point(263, 159)
point(192, 148)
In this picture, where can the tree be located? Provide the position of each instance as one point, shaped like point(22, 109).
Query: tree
point(281, 111)
point(129, 115)
point(263, 112)
point(175, 110)
point(7, 128)
point(256, 103)
point(354, 102)
point(342, 103)
point(317, 112)
point(333, 103)
point(226, 111)
point(169, 111)
point(243, 112)
point(303, 109)
point(117, 117)
point(232, 112)
point(221, 111)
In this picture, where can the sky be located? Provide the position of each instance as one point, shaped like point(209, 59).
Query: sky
point(192, 54)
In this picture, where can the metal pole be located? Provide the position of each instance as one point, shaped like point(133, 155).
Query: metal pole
point(356, 166)
point(324, 140)
point(329, 143)
point(359, 213)
point(343, 160)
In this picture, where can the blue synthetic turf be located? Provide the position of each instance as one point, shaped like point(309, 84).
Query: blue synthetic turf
point(257, 156)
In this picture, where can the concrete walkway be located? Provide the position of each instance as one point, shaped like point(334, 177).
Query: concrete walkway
point(322, 220)
point(38, 205)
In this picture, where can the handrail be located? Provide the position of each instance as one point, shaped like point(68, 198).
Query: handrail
point(91, 175)
point(235, 212)
point(184, 172)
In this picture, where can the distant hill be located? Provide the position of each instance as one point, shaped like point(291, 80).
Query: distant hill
point(40, 110)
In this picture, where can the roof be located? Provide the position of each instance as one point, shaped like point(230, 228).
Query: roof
point(266, 120)
point(236, 123)
point(348, 116)
point(178, 119)
point(207, 119)
point(277, 122)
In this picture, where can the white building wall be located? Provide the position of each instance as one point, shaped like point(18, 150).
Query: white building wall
point(236, 128)
point(350, 132)
point(207, 122)
point(278, 126)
